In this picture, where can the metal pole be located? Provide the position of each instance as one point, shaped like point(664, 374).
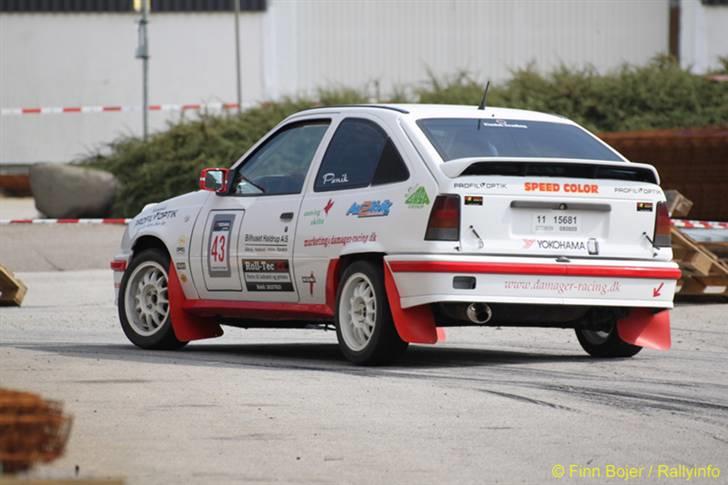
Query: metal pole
point(143, 54)
point(238, 84)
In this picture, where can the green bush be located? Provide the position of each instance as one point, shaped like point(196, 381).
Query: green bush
point(658, 95)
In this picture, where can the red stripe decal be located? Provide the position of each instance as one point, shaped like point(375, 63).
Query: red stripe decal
point(72, 110)
point(67, 221)
point(21, 221)
point(31, 111)
point(534, 269)
point(113, 221)
point(111, 108)
point(155, 107)
point(190, 106)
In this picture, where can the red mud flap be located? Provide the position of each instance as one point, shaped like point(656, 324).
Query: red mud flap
point(185, 326)
point(415, 325)
point(646, 329)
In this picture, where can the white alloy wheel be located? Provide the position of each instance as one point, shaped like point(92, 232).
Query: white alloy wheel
point(146, 300)
point(358, 311)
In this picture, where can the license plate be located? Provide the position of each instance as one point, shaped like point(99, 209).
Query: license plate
point(556, 223)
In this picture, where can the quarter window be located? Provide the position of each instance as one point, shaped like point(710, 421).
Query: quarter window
point(360, 154)
point(280, 165)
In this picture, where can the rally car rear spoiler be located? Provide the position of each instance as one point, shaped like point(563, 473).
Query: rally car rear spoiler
point(551, 167)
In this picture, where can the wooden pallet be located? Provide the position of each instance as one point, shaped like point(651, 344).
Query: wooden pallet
point(703, 271)
point(12, 290)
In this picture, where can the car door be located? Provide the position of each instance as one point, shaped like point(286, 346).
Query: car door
point(361, 179)
point(245, 245)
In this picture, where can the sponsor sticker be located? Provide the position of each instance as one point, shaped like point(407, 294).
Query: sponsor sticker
point(181, 266)
point(310, 280)
point(573, 188)
point(318, 216)
point(637, 190)
point(267, 275)
point(480, 185)
point(266, 243)
point(503, 124)
point(558, 244)
point(158, 218)
point(473, 200)
point(332, 178)
point(416, 198)
point(644, 206)
point(327, 241)
point(370, 208)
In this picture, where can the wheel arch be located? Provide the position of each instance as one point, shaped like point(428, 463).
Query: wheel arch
point(415, 325)
point(148, 241)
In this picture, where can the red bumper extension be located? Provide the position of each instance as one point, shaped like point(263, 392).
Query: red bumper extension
point(647, 329)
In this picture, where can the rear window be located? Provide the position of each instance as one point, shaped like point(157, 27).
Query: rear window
point(468, 137)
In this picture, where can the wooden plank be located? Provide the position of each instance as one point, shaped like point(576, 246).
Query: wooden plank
point(12, 290)
point(708, 286)
point(677, 204)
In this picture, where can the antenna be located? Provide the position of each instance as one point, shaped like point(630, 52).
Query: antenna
point(485, 95)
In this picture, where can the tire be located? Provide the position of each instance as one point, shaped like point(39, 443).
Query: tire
point(364, 325)
point(605, 343)
point(147, 324)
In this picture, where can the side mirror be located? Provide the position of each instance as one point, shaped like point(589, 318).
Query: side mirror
point(214, 180)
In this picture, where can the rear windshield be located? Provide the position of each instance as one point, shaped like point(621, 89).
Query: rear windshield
point(468, 137)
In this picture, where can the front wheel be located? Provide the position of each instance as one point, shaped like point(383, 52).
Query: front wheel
point(144, 302)
point(364, 325)
point(605, 343)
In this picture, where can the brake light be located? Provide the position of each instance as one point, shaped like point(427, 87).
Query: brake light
point(444, 223)
point(661, 236)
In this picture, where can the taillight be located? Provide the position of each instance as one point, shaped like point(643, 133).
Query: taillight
point(444, 223)
point(661, 236)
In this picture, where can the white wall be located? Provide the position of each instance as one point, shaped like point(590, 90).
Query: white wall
point(345, 42)
point(88, 59)
point(293, 48)
point(703, 35)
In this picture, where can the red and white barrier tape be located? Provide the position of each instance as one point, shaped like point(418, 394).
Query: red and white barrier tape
point(114, 109)
point(63, 221)
point(691, 224)
point(682, 223)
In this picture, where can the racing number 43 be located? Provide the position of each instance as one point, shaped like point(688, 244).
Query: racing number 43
point(217, 248)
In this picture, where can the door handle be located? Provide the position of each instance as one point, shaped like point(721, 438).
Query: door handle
point(287, 216)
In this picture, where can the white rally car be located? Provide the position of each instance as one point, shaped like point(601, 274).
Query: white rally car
point(392, 222)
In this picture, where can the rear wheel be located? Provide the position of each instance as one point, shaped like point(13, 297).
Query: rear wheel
point(605, 343)
point(364, 324)
point(144, 302)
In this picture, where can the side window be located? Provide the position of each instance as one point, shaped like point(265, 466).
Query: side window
point(360, 154)
point(280, 165)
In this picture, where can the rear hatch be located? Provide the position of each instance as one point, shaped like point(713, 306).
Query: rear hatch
point(555, 207)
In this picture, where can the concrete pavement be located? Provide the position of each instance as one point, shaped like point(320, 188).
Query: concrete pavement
point(488, 406)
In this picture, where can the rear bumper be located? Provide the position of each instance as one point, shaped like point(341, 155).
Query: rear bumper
point(423, 279)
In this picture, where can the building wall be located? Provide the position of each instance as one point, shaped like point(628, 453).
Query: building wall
point(703, 35)
point(88, 59)
point(294, 47)
point(396, 42)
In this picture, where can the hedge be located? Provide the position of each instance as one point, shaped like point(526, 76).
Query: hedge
point(658, 95)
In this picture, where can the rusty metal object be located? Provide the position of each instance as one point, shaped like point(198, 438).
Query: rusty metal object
point(32, 430)
point(690, 160)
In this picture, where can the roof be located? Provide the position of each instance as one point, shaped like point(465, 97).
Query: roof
point(418, 111)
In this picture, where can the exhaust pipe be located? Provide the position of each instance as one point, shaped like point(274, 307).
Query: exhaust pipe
point(479, 313)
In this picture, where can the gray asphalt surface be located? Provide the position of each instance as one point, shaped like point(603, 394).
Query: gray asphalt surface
point(265, 406)
point(58, 247)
